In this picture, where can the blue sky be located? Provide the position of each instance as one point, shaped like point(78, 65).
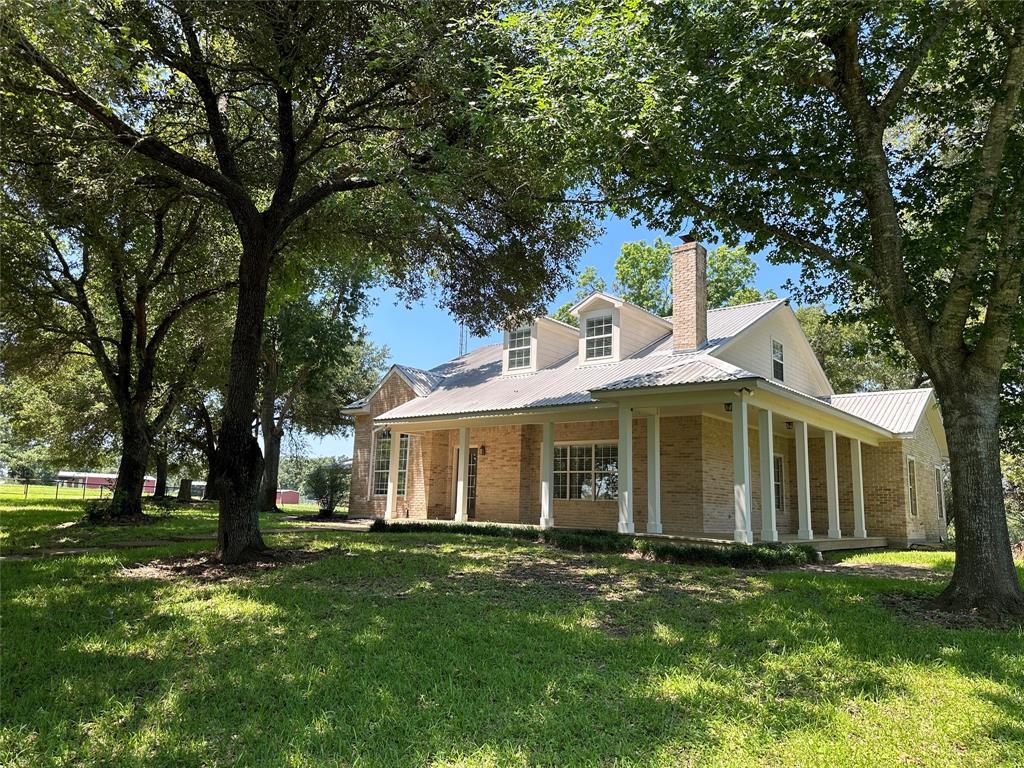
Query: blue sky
point(425, 336)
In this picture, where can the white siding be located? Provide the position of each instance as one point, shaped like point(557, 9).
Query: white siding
point(752, 351)
point(554, 342)
point(637, 330)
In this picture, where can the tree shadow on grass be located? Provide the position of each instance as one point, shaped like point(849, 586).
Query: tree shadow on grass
point(413, 651)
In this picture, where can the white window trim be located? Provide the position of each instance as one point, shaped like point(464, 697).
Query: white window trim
point(593, 472)
point(373, 465)
point(534, 348)
point(593, 314)
point(782, 484)
point(913, 497)
point(940, 493)
point(771, 351)
point(455, 474)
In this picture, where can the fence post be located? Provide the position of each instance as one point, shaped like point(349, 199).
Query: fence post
point(26, 487)
point(56, 489)
point(85, 485)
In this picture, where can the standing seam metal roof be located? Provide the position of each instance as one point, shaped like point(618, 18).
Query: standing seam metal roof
point(899, 411)
point(474, 382)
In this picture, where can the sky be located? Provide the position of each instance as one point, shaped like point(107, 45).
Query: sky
point(425, 336)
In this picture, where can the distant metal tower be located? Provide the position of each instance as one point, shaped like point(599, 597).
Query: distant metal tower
point(463, 339)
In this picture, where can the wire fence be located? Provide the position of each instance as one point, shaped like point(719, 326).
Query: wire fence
point(11, 487)
point(17, 488)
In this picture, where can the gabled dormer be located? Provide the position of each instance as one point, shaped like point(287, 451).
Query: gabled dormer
point(533, 347)
point(612, 329)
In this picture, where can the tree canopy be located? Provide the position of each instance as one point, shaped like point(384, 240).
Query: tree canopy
point(878, 145)
point(371, 124)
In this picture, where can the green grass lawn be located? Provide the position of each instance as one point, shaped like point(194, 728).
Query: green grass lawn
point(439, 649)
point(34, 523)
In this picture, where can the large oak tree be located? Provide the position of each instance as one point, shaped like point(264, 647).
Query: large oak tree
point(880, 144)
point(373, 115)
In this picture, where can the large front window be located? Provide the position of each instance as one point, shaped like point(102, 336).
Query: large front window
point(599, 337)
point(588, 471)
point(382, 463)
point(519, 349)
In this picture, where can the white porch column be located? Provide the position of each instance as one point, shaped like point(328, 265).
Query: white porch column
point(803, 483)
point(741, 469)
point(462, 481)
point(396, 448)
point(859, 527)
point(832, 486)
point(547, 476)
point(625, 469)
point(766, 451)
point(654, 473)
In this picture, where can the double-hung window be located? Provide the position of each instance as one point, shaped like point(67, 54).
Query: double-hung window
point(778, 485)
point(598, 333)
point(519, 349)
point(940, 495)
point(587, 471)
point(912, 484)
point(778, 365)
point(382, 463)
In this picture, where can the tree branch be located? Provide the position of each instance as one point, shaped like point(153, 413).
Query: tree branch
point(960, 297)
point(149, 146)
point(891, 99)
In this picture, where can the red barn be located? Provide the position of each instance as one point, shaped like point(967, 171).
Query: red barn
point(98, 480)
point(287, 497)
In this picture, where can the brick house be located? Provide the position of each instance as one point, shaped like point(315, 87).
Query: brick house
point(715, 424)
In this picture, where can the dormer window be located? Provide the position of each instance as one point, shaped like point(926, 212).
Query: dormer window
point(778, 368)
point(519, 349)
point(598, 337)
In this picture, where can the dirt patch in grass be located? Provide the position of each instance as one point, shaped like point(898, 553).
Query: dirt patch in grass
point(202, 566)
point(908, 572)
point(582, 579)
point(924, 609)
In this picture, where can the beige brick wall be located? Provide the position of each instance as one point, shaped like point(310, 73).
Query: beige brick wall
point(885, 497)
point(690, 296)
point(582, 513)
point(696, 477)
point(393, 393)
point(924, 449)
point(682, 483)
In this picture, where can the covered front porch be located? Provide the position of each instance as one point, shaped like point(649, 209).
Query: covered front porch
point(741, 462)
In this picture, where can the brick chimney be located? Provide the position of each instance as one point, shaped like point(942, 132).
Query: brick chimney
point(689, 295)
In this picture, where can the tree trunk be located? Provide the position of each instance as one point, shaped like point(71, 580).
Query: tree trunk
point(131, 473)
point(239, 460)
point(160, 490)
point(210, 490)
point(185, 489)
point(271, 440)
point(271, 470)
point(984, 577)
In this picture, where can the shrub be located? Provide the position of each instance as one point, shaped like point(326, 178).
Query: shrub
point(97, 510)
point(734, 555)
point(572, 540)
point(473, 529)
point(328, 484)
point(588, 541)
